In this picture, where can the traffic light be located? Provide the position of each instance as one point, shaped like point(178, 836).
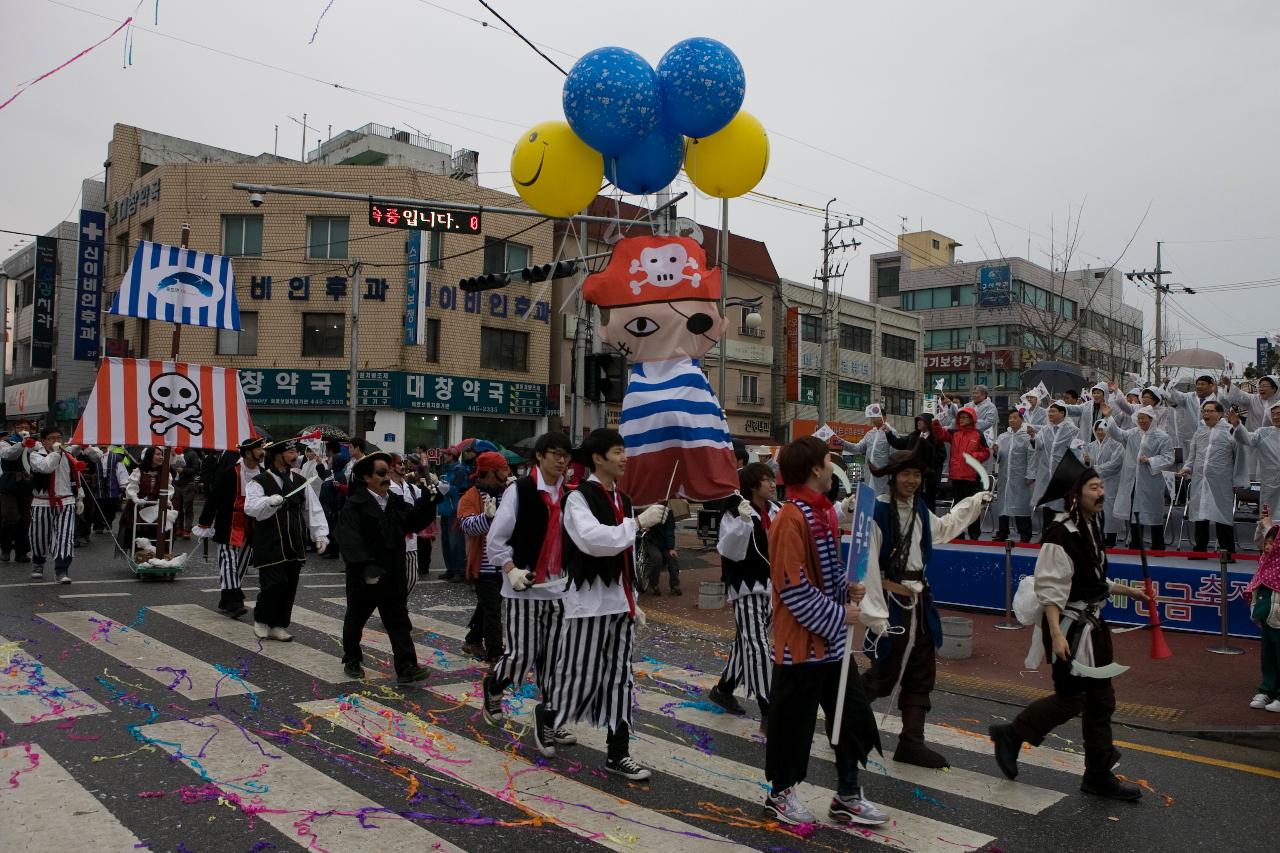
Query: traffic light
point(489, 281)
point(542, 272)
point(605, 377)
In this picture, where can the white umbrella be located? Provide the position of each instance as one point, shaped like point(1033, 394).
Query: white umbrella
point(1195, 358)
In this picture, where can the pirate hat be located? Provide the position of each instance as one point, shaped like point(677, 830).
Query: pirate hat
point(251, 444)
point(364, 467)
point(900, 460)
point(653, 269)
point(1068, 477)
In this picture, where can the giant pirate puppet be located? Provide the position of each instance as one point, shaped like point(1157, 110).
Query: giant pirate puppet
point(663, 315)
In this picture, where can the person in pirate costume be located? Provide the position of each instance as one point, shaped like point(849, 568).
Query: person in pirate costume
point(223, 519)
point(1071, 586)
point(283, 508)
point(55, 501)
point(592, 678)
point(903, 626)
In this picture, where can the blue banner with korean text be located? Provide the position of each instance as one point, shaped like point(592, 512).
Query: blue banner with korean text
point(89, 270)
point(412, 308)
point(993, 286)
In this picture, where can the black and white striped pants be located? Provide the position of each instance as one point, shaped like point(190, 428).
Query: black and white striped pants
point(410, 570)
point(531, 630)
point(592, 677)
point(53, 532)
point(232, 564)
point(750, 659)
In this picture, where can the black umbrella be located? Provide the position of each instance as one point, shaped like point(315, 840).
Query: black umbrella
point(525, 446)
point(327, 431)
point(1057, 376)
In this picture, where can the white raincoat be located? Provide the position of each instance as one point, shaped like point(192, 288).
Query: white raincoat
point(1107, 458)
point(1051, 444)
point(1141, 489)
point(875, 449)
point(1013, 457)
point(1265, 444)
point(1211, 456)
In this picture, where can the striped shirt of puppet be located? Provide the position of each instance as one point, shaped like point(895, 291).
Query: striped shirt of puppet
point(660, 308)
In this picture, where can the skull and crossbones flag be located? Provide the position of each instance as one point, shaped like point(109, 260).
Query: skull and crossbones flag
point(165, 403)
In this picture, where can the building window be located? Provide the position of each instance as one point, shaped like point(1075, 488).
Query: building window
point(750, 388)
point(810, 328)
point(893, 346)
point(431, 339)
point(955, 296)
point(937, 245)
point(147, 230)
point(504, 349)
point(435, 249)
point(323, 335)
point(899, 401)
point(242, 236)
point(243, 342)
point(500, 256)
point(887, 281)
point(853, 395)
point(327, 237)
point(809, 390)
point(26, 292)
point(122, 253)
point(855, 338)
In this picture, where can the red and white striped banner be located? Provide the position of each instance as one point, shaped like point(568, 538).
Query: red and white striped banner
point(139, 401)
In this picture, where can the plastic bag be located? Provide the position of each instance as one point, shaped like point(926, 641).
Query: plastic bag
point(1026, 606)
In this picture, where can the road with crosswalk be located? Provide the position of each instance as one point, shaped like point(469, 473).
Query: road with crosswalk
point(135, 716)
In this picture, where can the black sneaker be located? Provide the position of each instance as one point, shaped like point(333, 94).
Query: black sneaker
point(628, 768)
point(675, 590)
point(1111, 787)
point(412, 677)
point(1007, 744)
point(726, 700)
point(4, 557)
point(493, 713)
point(544, 734)
point(475, 650)
point(353, 670)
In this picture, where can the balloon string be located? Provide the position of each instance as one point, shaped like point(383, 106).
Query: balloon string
point(65, 64)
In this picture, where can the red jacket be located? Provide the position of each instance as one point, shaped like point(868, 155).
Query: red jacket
point(963, 440)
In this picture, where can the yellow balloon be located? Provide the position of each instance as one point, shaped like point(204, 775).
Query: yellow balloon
point(554, 171)
point(731, 161)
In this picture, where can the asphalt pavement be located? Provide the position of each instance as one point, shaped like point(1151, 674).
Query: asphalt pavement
point(134, 716)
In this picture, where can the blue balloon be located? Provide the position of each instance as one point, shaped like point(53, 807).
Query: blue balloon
point(703, 86)
point(611, 99)
point(648, 166)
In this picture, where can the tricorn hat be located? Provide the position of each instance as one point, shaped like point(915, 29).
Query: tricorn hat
point(1070, 475)
point(364, 466)
point(900, 460)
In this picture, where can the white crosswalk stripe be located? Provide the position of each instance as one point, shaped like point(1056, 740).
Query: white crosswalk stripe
point(31, 692)
point(427, 656)
point(40, 803)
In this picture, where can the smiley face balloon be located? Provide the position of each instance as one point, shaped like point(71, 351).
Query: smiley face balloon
point(554, 171)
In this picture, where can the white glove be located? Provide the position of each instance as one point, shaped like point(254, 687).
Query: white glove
point(490, 507)
point(641, 621)
point(744, 509)
point(57, 447)
point(201, 532)
point(849, 504)
point(432, 479)
point(275, 500)
point(371, 581)
point(987, 496)
point(322, 544)
point(521, 579)
point(79, 507)
point(652, 516)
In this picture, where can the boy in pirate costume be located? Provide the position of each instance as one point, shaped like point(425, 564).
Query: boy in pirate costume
point(224, 520)
point(524, 543)
point(592, 678)
point(1072, 587)
point(283, 507)
point(898, 610)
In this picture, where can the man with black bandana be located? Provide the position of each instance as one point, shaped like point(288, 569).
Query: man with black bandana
point(898, 610)
point(1071, 585)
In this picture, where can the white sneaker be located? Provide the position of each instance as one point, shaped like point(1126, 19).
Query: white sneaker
point(856, 810)
point(785, 807)
point(1259, 701)
point(262, 630)
point(1273, 706)
point(280, 634)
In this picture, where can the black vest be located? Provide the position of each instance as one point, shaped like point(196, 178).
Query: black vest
point(582, 568)
point(1089, 564)
point(14, 478)
point(753, 570)
point(283, 536)
point(532, 518)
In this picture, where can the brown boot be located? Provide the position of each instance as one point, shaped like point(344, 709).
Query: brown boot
point(911, 747)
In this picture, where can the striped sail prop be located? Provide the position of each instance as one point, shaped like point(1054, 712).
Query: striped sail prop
point(137, 401)
point(179, 286)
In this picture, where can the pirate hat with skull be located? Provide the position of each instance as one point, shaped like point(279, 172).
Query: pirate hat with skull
point(653, 269)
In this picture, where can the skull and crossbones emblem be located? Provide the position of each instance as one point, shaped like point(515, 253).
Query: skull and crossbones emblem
point(175, 401)
point(664, 266)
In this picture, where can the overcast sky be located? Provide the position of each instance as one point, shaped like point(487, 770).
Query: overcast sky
point(992, 122)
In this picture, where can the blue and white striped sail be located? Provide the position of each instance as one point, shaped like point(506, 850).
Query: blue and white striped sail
point(179, 286)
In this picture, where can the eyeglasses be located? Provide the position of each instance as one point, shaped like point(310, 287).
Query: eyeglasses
point(559, 455)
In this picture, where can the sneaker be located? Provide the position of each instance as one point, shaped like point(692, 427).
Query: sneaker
point(1273, 706)
point(37, 573)
point(475, 650)
point(280, 634)
point(412, 677)
point(1007, 744)
point(4, 557)
point(1259, 700)
point(785, 807)
point(628, 768)
point(235, 611)
point(855, 810)
point(543, 732)
point(64, 578)
point(1113, 787)
point(675, 590)
point(493, 713)
point(262, 630)
point(562, 736)
point(353, 670)
point(726, 700)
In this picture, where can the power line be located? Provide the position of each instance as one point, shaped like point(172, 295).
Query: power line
point(519, 34)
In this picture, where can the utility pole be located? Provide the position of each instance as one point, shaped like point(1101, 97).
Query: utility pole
point(355, 348)
point(826, 324)
point(1155, 276)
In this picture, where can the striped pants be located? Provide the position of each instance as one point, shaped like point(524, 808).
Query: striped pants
point(750, 658)
point(53, 533)
point(531, 630)
point(410, 571)
point(592, 678)
point(232, 564)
